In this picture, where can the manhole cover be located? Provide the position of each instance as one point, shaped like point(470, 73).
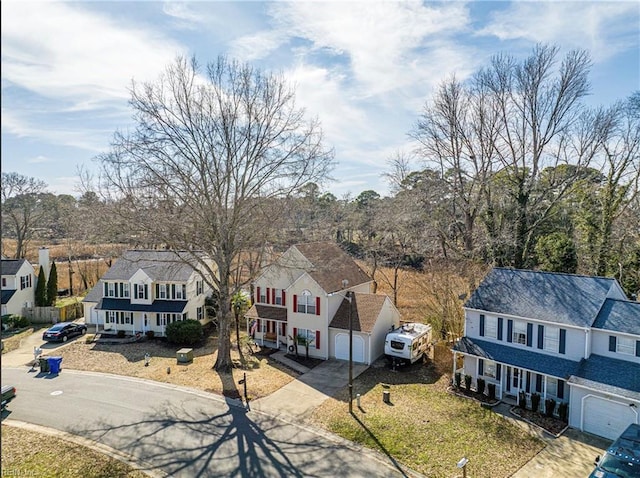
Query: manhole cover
point(56, 392)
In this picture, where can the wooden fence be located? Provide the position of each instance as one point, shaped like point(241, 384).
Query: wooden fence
point(53, 315)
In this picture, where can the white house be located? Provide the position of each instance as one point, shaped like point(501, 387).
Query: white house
point(146, 290)
point(572, 338)
point(18, 286)
point(310, 292)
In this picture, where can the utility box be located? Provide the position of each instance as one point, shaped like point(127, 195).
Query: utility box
point(185, 355)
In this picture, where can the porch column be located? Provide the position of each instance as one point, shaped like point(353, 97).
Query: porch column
point(455, 360)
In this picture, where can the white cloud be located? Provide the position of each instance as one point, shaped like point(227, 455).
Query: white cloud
point(64, 51)
point(603, 28)
point(39, 159)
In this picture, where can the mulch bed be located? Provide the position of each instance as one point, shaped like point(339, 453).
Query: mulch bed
point(552, 425)
point(478, 397)
point(303, 360)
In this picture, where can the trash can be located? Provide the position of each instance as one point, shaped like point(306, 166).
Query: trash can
point(55, 364)
point(44, 365)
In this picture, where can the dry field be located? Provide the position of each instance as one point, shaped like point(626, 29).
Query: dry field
point(264, 375)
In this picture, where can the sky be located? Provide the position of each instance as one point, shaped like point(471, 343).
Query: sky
point(363, 68)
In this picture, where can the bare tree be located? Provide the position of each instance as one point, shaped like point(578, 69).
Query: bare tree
point(207, 163)
point(21, 208)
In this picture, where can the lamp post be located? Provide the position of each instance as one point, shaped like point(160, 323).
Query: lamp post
point(349, 298)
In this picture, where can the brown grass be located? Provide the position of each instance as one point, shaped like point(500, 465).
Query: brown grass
point(264, 375)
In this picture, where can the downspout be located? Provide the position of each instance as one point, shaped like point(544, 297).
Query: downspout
point(587, 344)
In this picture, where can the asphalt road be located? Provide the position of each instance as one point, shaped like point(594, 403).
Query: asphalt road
point(184, 433)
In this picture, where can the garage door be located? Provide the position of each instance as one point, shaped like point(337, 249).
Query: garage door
point(607, 418)
point(342, 348)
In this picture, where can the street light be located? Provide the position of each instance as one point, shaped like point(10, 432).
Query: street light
point(349, 297)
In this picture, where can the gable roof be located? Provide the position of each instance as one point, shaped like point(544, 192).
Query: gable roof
point(10, 267)
point(6, 295)
point(365, 312)
point(262, 311)
point(330, 265)
point(517, 357)
point(553, 297)
point(158, 265)
point(609, 375)
point(620, 316)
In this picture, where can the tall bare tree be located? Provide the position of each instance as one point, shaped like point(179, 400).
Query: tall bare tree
point(211, 155)
point(22, 210)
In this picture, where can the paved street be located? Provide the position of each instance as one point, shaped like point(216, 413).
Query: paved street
point(181, 432)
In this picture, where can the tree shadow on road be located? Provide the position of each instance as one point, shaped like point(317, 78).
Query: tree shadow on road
point(187, 439)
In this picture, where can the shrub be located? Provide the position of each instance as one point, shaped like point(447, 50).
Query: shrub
point(458, 378)
point(467, 382)
point(535, 402)
point(481, 386)
point(549, 406)
point(522, 400)
point(20, 322)
point(121, 334)
point(185, 332)
point(491, 389)
point(89, 338)
point(150, 334)
point(563, 411)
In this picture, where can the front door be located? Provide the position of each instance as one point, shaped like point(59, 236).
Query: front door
point(514, 380)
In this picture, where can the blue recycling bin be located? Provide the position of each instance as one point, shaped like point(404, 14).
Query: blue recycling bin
point(55, 364)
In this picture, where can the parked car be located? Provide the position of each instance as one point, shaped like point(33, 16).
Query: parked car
point(8, 394)
point(622, 458)
point(63, 331)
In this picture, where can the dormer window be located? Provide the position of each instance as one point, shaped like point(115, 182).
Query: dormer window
point(140, 291)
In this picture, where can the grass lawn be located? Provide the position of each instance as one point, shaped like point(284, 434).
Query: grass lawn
point(426, 428)
point(27, 453)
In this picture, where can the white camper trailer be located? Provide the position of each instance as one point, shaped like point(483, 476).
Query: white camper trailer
point(408, 343)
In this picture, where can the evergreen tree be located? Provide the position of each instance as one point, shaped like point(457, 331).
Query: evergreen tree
point(52, 285)
point(41, 289)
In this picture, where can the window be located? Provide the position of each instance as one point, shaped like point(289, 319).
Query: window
point(4, 282)
point(263, 295)
point(520, 333)
point(140, 291)
point(489, 369)
point(199, 287)
point(25, 281)
point(552, 387)
point(163, 291)
point(307, 303)
point(180, 292)
point(305, 335)
point(491, 327)
point(551, 339)
point(125, 289)
point(111, 289)
point(200, 313)
point(626, 346)
point(278, 296)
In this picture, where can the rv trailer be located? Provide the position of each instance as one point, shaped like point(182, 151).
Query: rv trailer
point(408, 343)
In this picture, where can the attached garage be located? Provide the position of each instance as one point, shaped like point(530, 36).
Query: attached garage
point(342, 347)
point(606, 418)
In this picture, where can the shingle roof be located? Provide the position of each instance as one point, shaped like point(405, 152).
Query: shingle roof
point(7, 294)
point(365, 312)
point(609, 375)
point(517, 357)
point(158, 265)
point(124, 305)
point(95, 294)
point(261, 311)
point(10, 267)
point(620, 316)
point(331, 265)
point(554, 297)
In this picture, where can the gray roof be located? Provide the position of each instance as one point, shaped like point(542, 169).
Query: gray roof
point(124, 305)
point(620, 316)
point(517, 357)
point(95, 294)
point(10, 267)
point(158, 265)
point(611, 375)
point(6, 295)
point(561, 298)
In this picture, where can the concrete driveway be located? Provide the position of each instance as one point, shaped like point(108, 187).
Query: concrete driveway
point(300, 397)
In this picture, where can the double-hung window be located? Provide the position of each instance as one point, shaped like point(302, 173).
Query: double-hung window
point(491, 327)
point(552, 387)
point(519, 333)
point(278, 296)
point(200, 313)
point(551, 339)
point(199, 287)
point(25, 281)
point(489, 369)
point(180, 292)
point(163, 292)
point(307, 303)
point(626, 346)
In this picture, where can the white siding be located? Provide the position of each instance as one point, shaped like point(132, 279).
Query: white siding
point(600, 345)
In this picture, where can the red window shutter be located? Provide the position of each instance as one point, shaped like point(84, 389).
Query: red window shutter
point(284, 302)
point(317, 339)
point(257, 295)
point(295, 333)
point(268, 298)
point(295, 303)
point(317, 305)
point(273, 296)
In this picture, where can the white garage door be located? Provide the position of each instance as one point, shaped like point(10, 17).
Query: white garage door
point(342, 347)
point(607, 418)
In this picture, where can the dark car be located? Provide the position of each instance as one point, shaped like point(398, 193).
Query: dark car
point(8, 394)
point(63, 331)
point(622, 458)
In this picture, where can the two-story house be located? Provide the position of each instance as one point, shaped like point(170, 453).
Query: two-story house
point(18, 286)
point(312, 292)
point(572, 338)
point(146, 290)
